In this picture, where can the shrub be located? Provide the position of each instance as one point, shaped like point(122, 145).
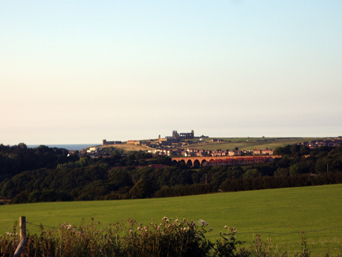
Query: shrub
point(130, 238)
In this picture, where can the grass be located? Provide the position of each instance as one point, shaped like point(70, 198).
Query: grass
point(277, 211)
point(247, 143)
point(128, 147)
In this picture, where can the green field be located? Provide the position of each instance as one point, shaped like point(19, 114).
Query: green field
point(247, 143)
point(317, 210)
point(243, 143)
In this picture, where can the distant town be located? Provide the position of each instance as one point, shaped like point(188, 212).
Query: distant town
point(182, 144)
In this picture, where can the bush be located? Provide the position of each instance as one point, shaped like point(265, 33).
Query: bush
point(129, 238)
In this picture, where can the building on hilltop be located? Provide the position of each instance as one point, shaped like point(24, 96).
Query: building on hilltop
point(176, 137)
point(190, 135)
point(105, 142)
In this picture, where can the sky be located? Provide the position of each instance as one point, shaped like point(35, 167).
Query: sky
point(79, 71)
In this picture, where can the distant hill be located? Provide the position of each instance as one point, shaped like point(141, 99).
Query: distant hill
point(127, 147)
point(246, 143)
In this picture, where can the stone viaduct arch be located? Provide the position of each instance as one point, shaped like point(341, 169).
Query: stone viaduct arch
point(229, 160)
point(196, 161)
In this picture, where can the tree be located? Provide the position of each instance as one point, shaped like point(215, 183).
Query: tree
point(294, 170)
point(142, 189)
point(281, 172)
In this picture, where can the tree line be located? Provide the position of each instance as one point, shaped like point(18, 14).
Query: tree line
point(50, 174)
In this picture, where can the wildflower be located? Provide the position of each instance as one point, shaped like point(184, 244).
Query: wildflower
point(226, 227)
point(138, 228)
point(79, 233)
point(184, 229)
point(130, 231)
point(176, 220)
point(211, 229)
point(204, 223)
point(146, 229)
point(158, 228)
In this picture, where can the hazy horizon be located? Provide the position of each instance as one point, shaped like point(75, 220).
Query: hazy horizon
point(155, 138)
point(82, 71)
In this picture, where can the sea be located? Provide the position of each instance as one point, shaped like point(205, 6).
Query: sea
point(71, 147)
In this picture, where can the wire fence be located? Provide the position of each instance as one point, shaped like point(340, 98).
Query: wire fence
point(239, 233)
point(254, 233)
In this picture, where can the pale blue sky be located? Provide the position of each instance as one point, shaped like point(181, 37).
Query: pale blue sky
point(83, 71)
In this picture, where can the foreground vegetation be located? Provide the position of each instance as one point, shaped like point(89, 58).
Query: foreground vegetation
point(168, 238)
point(279, 214)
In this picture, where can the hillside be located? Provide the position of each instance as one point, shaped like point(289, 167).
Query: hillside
point(228, 143)
point(247, 143)
point(127, 147)
point(279, 214)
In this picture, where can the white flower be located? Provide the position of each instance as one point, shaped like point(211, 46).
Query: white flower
point(204, 223)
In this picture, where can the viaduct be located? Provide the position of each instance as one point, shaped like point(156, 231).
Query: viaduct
point(225, 160)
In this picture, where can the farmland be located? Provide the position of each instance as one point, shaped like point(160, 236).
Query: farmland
point(247, 143)
point(226, 143)
point(314, 209)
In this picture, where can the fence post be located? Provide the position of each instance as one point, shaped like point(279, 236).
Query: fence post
point(22, 227)
point(23, 238)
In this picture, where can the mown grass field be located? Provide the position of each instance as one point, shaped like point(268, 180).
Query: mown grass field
point(317, 210)
point(229, 143)
point(128, 147)
point(247, 143)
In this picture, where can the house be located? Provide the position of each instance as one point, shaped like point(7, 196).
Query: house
point(267, 152)
point(257, 152)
